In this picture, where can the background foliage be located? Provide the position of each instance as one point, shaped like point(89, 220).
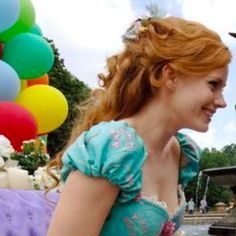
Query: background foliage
point(75, 92)
point(212, 158)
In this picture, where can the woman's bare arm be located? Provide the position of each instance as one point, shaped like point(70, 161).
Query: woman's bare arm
point(83, 206)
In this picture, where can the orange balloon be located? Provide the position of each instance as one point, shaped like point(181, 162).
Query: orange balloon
point(41, 80)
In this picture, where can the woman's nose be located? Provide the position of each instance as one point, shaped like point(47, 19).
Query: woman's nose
point(220, 101)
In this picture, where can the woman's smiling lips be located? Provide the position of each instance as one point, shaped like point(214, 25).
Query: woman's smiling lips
point(208, 112)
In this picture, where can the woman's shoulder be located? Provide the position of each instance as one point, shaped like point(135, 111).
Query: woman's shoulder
point(190, 154)
point(107, 126)
point(114, 134)
point(108, 139)
point(187, 146)
point(110, 150)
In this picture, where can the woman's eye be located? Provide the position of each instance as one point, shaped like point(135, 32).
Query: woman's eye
point(213, 85)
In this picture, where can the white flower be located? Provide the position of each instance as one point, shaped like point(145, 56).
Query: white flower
point(41, 180)
point(4, 140)
point(29, 141)
point(6, 148)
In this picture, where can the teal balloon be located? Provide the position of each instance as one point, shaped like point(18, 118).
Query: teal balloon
point(9, 82)
point(36, 30)
point(24, 22)
point(9, 13)
point(29, 54)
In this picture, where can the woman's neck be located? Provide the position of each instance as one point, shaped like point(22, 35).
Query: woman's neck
point(154, 126)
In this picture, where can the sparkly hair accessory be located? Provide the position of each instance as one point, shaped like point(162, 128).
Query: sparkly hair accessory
point(138, 28)
point(134, 31)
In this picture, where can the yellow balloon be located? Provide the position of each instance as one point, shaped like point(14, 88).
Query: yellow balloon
point(47, 104)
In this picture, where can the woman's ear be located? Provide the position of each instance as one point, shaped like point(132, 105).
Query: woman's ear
point(169, 77)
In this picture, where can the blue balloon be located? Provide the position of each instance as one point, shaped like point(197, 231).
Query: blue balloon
point(9, 82)
point(9, 13)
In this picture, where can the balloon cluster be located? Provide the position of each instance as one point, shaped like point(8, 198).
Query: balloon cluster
point(29, 106)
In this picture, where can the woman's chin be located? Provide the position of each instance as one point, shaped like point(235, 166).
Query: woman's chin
point(203, 129)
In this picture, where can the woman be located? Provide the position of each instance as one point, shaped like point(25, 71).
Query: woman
point(126, 171)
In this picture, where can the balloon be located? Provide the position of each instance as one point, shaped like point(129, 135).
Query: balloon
point(9, 82)
point(47, 104)
point(41, 80)
point(23, 84)
point(9, 13)
point(17, 124)
point(1, 50)
point(29, 54)
point(24, 22)
point(36, 30)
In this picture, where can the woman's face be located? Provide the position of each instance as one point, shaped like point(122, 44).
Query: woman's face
point(198, 98)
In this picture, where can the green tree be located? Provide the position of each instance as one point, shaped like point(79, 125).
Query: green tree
point(230, 151)
point(75, 92)
point(217, 194)
point(212, 158)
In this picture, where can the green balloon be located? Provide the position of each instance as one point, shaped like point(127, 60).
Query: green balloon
point(29, 54)
point(24, 22)
point(36, 30)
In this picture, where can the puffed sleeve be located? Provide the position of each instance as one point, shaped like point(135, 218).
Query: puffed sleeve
point(110, 150)
point(192, 154)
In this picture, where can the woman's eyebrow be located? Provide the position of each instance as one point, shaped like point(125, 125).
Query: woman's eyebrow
point(219, 80)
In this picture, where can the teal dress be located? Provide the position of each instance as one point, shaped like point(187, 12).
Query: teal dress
point(113, 150)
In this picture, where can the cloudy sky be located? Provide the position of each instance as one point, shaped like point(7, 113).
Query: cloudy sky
point(87, 31)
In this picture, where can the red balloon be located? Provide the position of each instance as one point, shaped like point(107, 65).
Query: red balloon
point(1, 50)
point(17, 124)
